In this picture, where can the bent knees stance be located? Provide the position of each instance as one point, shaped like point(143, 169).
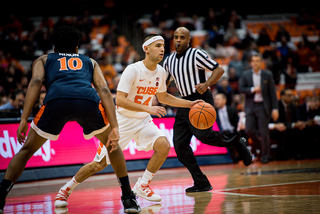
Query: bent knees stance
point(26, 153)
point(98, 166)
point(162, 145)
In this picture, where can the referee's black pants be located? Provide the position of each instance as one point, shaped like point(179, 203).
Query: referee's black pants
point(183, 131)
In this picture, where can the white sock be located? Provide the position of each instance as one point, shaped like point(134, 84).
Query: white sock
point(147, 176)
point(71, 184)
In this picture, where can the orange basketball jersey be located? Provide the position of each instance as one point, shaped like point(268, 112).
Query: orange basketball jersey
point(141, 84)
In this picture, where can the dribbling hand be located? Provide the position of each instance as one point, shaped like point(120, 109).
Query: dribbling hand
point(195, 102)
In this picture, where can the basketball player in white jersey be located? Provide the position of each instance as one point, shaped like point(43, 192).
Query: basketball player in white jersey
point(138, 85)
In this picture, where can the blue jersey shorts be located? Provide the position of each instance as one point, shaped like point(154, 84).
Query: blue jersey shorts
point(52, 117)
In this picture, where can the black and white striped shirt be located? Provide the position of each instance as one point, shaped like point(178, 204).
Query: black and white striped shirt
point(188, 69)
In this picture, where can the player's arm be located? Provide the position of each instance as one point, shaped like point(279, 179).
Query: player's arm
point(123, 101)
point(33, 91)
point(34, 87)
point(168, 99)
point(102, 88)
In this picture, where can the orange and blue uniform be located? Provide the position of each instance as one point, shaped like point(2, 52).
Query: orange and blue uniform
point(70, 96)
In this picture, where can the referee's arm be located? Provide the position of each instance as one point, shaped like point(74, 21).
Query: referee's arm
point(215, 76)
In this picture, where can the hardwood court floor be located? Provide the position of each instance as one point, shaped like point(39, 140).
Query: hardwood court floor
point(278, 187)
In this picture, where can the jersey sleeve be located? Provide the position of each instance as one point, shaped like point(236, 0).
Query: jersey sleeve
point(127, 79)
point(204, 61)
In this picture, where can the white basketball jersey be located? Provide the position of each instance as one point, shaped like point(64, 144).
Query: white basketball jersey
point(141, 84)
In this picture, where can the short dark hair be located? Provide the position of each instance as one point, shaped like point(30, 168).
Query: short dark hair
point(256, 54)
point(149, 36)
point(283, 91)
point(65, 38)
point(16, 92)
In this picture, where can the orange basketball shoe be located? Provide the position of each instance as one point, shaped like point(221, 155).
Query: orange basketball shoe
point(61, 199)
point(145, 191)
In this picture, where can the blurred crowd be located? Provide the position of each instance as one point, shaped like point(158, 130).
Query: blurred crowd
point(282, 56)
point(224, 39)
point(23, 40)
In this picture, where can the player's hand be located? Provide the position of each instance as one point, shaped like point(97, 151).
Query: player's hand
point(201, 88)
point(113, 139)
point(157, 110)
point(22, 131)
point(195, 102)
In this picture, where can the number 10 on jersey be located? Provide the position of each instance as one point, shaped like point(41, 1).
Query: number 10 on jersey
point(72, 64)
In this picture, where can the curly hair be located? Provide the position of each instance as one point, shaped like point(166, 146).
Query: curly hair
point(65, 38)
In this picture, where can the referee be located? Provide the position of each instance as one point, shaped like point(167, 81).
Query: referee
point(187, 68)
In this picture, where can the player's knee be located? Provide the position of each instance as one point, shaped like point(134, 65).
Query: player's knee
point(26, 152)
point(162, 145)
point(98, 166)
point(166, 146)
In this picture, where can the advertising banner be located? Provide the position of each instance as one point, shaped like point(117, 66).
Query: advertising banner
point(72, 148)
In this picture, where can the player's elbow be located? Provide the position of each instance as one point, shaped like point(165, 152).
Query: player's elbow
point(36, 82)
point(103, 90)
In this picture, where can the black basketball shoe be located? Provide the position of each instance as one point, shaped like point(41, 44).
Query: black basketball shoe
point(244, 152)
point(130, 204)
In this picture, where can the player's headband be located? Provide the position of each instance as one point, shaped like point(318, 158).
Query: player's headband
point(151, 40)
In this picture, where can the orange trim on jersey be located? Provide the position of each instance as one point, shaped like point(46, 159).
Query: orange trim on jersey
point(39, 114)
point(103, 113)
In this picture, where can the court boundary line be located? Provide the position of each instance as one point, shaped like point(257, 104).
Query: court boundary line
point(223, 191)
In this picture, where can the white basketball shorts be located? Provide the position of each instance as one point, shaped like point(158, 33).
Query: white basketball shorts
point(142, 130)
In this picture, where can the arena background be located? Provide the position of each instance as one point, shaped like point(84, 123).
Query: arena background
point(131, 18)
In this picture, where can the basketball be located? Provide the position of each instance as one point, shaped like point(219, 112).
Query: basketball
point(202, 115)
